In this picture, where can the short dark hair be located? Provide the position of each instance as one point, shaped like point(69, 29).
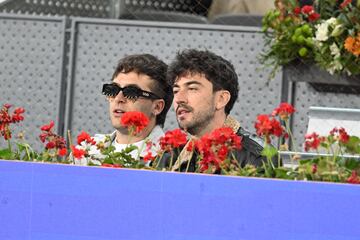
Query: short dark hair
point(153, 67)
point(220, 72)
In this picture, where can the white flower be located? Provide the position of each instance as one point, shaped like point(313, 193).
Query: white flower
point(334, 66)
point(335, 51)
point(322, 31)
point(332, 21)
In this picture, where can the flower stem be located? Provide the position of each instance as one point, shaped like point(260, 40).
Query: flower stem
point(187, 166)
point(27, 152)
point(171, 160)
point(9, 145)
point(160, 158)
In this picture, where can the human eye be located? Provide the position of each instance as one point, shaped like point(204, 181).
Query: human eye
point(175, 90)
point(193, 88)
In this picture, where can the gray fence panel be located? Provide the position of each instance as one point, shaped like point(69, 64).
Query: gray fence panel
point(84, 8)
point(100, 44)
point(305, 96)
point(31, 56)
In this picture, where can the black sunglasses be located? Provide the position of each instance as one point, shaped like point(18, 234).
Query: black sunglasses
point(130, 92)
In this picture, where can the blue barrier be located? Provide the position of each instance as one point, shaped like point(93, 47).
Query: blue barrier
point(53, 201)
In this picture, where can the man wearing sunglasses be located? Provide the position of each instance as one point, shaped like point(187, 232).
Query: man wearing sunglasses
point(205, 88)
point(138, 84)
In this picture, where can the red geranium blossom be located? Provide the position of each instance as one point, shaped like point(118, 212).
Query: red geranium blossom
point(284, 110)
point(54, 141)
point(267, 127)
point(309, 11)
point(48, 127)
point(215, 147)
point(134, 121)
point(341, 134)
point(62, 152)
point(148, 157)
point(345, 3)
point(84, 136)
point(312, 141)
point(111, 165)
point(297, 10)
point(77, 153)
point(6, 119)
point(354, 178)
point(173, 139)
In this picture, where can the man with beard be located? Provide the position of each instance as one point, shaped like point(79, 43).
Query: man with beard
point(205, 88)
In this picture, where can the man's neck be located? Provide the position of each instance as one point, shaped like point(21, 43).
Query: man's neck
point(217, 122)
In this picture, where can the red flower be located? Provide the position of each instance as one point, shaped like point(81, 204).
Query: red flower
point(7, 106)
point(190, 146)
point(43, 137)
point(314, 168)
point(313, 17)
point(148, 157)
point(84, 136)
point(134, 121)
point(267, 127)
point(47, 128)
point(173, 139)
point(77, 153)
point(263, 125)
point(284, 110)
point(354, 178)
point(215, 147)
point(6, 119)
point(312, 141)
point(50, 145)
point(309, 11)
point(62, 152)
point(345, 3)
point(341, 134)
point(297, 10)
point(111, 165)
point(54, 140)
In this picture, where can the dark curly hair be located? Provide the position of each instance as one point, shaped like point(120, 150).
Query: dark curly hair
point(220, 72)
point(153, 67)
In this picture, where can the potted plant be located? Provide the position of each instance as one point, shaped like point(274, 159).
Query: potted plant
point(318, 43)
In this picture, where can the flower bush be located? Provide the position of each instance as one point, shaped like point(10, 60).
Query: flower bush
point(336, 157)
point(326, 33)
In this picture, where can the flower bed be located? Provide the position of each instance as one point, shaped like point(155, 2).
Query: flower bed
point(216, 150)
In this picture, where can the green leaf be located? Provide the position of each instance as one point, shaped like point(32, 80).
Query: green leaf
point(352, 164)
point(269, 151)
point(282, 173)
point(7, 154)
point(353, 145)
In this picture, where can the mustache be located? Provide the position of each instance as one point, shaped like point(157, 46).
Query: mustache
point(184, 106)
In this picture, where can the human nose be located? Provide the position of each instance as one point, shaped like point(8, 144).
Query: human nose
point(180, 96)
point(120, 97)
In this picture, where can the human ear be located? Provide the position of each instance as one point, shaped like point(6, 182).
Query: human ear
point(222, 98)
point(158, 106)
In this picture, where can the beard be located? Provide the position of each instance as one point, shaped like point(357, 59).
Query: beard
point(200, 120)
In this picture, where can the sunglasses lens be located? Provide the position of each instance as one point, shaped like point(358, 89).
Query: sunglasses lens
point(131, 92)
point(110, 90)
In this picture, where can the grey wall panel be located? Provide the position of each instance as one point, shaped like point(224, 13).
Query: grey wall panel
point(84, 8)
point(305, 96)
point(100, 44)
point(30, 70)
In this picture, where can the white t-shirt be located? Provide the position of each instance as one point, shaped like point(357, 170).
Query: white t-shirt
point(95, 153)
